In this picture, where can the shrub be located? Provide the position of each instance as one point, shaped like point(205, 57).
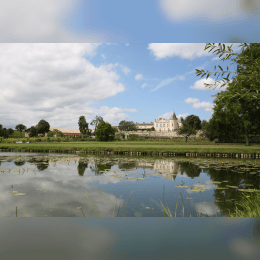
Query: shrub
point(133, 137)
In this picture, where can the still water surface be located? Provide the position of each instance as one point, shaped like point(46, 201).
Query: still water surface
point(55, 185)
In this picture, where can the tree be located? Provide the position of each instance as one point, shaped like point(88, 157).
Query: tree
point(248, 70)
point(33, 131)
point(97, 121)
point(190, 126)
point(43, 127)
point(83, 125)
point(242, 114)
point(105, 132)
point(10, 131)
point(127, 126)
point(57, 132)
point(20, 128)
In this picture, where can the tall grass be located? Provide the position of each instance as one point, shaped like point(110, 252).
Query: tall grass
point(250, 207)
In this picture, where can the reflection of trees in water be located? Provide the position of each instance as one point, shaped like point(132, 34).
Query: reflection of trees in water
point(81, 168)
point(233, 179)
point(19, 163)
point(98, 168)
point(42, 166)
point(127, 165)
point(190, 169)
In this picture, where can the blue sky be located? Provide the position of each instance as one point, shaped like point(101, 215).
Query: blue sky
point(136, 82)
point(129, 21)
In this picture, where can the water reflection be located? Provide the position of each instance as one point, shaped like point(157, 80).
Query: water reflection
point(81, 168)
point(207, 186)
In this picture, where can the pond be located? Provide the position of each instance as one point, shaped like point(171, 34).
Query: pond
point(59, 185)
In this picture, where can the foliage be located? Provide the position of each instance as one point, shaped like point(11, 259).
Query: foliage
point(97, 121)
point(50, 134)
point(239, 116)
point(83, 125)
point(58, 133)
point(127, 126)
point(133, 137)
point(105, 132)
point(33, 131)
point(190, 126)
point(20, 128)
point(43, 127)
point(246, 74)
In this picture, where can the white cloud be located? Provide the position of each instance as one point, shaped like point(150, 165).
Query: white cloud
point(115, 115)
point(125, 69)
point(182, 50)
point(182, 115)
point(181, 78)
point(111, 67)
point(209, 10)
point(207, 106)
point(168, 115)
point(52, 82)
point(144, 85)
point(139, 77)
point(103, 56)
point(199, 84)
point(127, 44)
point(165, 82)
point(44, 21)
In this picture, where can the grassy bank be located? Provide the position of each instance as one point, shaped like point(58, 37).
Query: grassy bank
point(137, 146)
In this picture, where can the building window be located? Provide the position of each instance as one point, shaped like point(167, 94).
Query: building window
point(156, 125)
point(145, 127)
point(164, 125)
point(172, 124)
point(167, 125)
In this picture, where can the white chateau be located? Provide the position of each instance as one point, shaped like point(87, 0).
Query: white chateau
point(162, 125)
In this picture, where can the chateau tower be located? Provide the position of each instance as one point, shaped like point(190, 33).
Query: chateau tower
point(173, 121)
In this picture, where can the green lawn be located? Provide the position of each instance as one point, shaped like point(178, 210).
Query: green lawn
point(142, 146)
point(17, 134)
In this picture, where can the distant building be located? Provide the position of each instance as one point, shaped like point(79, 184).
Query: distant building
point(160, 125)
point(163, 125)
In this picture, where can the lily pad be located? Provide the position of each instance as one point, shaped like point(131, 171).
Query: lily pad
point(220, 188)
point(39, 189)
point(199, 190)
point(129, 177)
point(199, 186)
point(232, 186)
point(19, 194)
point(216, 182)
point(140, 178)
point(249, 190)
point(179, 186)
point(12, 191)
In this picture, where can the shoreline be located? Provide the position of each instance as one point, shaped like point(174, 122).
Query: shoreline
point(143, 153)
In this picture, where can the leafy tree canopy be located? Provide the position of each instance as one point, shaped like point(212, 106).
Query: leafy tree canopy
point(33, 131)
point(247, 72)
point(105, 132)
point(43, 127)
point(127, 126)
point(190, 126)
point(21, 128)
point(97, 121)
point(83, 125)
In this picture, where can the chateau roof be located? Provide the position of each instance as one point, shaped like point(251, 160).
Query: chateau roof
point(69, 131)
point(173, 116)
